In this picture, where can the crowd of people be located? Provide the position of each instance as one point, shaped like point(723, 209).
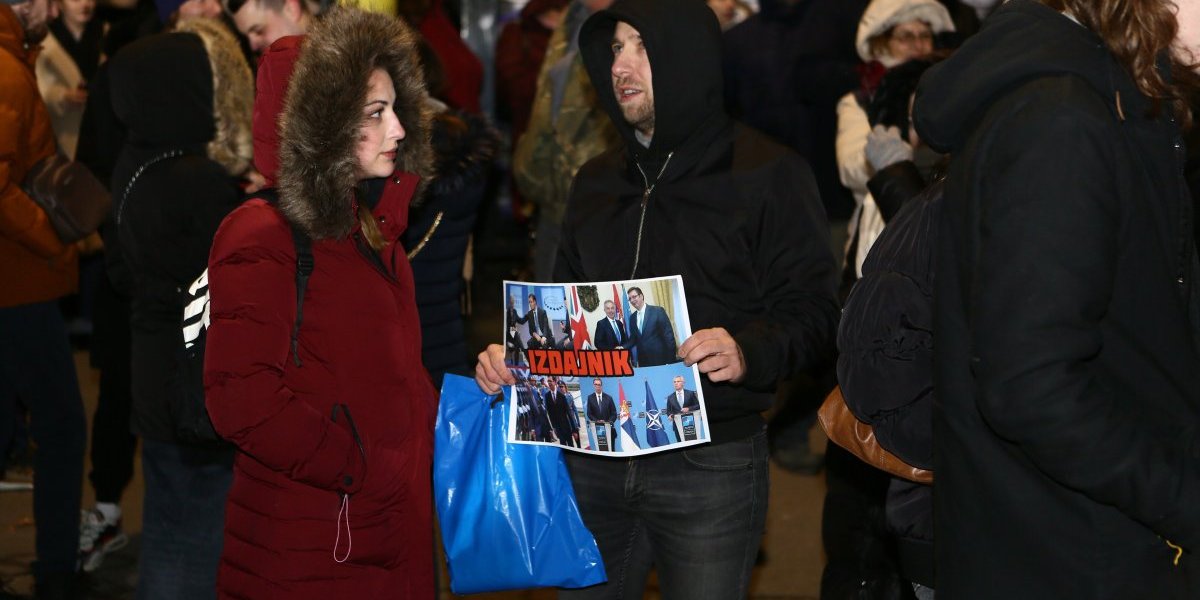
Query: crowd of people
point(303, 180)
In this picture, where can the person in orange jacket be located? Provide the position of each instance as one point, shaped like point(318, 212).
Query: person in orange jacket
point(36, 269)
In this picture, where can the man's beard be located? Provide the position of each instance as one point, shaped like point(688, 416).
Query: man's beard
point(641, 115)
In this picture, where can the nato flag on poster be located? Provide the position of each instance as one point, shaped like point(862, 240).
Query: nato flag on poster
point(655, 435)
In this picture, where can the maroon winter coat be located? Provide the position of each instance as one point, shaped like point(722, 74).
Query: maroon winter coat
point(359, 341)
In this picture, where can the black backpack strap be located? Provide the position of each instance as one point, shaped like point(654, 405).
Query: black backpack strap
point(304, 268)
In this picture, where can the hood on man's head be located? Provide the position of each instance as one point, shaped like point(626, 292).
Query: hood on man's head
point(683, 42)
point(322, 113)
point(186, 88)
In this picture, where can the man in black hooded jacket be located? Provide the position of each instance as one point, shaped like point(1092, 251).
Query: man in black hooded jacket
point(693, 193)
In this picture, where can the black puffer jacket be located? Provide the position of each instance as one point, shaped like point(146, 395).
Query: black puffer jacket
point(885, 359)
point(185, 99)
point(464, 145)
point(737, 215)
point(1068, 399)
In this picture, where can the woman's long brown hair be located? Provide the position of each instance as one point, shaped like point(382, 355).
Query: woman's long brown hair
point(1138, 32)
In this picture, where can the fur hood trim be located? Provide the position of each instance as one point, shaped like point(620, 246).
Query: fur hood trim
point(322, 114)
point(233, 87)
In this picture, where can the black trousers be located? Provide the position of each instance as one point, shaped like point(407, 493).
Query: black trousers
point(113, 446)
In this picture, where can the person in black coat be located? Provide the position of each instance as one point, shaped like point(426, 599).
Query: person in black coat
point(439, 232)
point(885, 360)
point(1066, 328)
point(185, 100)
point(691, 192)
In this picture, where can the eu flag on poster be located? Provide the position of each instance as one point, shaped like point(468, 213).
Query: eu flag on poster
point(655, 435)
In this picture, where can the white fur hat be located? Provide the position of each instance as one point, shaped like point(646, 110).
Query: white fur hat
point(882, 15)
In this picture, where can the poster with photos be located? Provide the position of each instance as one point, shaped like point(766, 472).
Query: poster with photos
point(596, 367)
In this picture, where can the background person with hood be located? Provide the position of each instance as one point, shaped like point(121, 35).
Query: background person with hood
point(185, 99)
point(691, 192)
point(891, 33)
point(1066, 331)
point(321, 506)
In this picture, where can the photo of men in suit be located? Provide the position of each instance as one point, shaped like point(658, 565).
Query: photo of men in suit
point(562, 417)
point(600, 406)
point(610, 331)
point(514, 347)
point(650, 332)
point(540, 335)
point(681, 402)
point(601, 413)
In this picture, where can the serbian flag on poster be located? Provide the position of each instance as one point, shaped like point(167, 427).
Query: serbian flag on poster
point(655, 434)
point(579, 329)
point(628, 433)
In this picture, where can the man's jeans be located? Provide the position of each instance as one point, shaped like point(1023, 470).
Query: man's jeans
point(183, 519)
point(696, 514)
point(36, 369)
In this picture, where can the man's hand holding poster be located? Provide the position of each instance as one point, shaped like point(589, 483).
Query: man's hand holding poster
point(597, 369)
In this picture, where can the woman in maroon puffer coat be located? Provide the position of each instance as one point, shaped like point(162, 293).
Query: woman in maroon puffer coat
point(320, 508)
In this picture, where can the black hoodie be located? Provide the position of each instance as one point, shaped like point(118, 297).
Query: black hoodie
point(1065, 427)
point(737, 215)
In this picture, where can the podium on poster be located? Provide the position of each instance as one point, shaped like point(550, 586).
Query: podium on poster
point(602, 435)
point(685, 426)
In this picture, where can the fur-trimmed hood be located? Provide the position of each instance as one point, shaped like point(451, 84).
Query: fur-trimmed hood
point(231, 147)
point(322, 113)
point(190, 90)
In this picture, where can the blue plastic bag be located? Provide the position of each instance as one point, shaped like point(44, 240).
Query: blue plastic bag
point(508, 514)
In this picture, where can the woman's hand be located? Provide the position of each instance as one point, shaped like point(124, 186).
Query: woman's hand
point(490, 372)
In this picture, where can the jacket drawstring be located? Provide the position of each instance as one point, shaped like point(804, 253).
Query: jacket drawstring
point(345, 510)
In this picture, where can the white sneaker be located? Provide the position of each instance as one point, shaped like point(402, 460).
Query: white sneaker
point(98, 538)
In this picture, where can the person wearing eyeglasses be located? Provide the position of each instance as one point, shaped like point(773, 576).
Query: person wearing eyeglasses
point(890, 33)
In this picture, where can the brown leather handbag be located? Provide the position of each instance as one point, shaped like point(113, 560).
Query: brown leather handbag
point(845, 430)
point(74, 200)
